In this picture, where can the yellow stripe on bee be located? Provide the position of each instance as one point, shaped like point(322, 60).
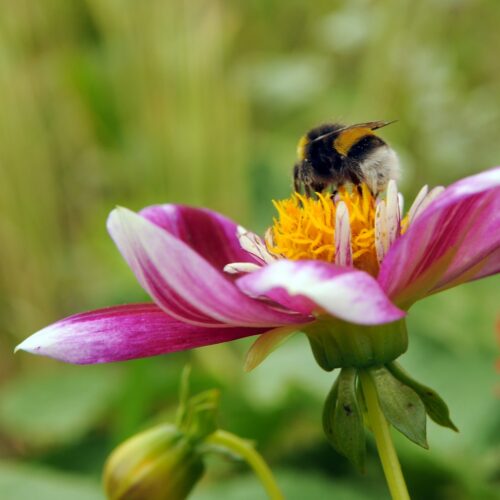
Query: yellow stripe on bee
point(301, 147)
point(346, 139)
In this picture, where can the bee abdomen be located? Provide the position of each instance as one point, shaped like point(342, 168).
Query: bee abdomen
point(377, 162)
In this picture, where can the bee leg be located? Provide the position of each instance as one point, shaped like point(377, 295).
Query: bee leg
point(297, 182)
point(356, 181)
point(319, 187)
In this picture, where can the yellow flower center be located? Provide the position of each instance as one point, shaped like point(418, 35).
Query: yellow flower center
point(305, 228)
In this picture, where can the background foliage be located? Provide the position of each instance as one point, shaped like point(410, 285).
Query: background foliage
point(106, 102)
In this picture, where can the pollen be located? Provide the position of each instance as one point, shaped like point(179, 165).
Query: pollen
point(305, 227)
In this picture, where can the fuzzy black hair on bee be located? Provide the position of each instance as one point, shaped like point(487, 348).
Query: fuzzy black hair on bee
point(333, 154)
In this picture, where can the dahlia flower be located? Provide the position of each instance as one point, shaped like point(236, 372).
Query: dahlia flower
point(352, 263)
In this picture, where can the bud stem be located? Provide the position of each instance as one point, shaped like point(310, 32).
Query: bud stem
point(385, 446)
point(247, 451)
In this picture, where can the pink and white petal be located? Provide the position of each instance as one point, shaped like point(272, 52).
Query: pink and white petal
point(212, 235)
point(254, 245)
point(381, 231)
point(455, 239)
point(123, 332)
point(240, 267)
point(387, 220)
point(343, 248)
point(429, 198)
point(182, 282)
point(485, 267)
point(422, 194)
point(318, 287)
point(393, 215)
point(401, 204)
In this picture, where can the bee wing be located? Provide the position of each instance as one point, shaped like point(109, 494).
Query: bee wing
point(370, 125)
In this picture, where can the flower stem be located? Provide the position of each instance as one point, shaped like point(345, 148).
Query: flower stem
point(385, 446)
point(247, 451)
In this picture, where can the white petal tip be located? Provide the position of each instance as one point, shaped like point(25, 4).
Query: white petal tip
point(118, 209)
point(28, 346)
point(230, 269)
point(341, 209)
point(116, 214)
point(38, 343)
point(240, 267)
point(392, 185)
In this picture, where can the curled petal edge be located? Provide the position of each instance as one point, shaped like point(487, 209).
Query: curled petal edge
point(312, 287)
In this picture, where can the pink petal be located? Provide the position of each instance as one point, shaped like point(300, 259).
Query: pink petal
point(123, 332)
point(314, 286)
point(181, 281)
point(455, 239)
point(209, 233)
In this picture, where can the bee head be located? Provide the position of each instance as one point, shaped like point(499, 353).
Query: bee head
point(314, 141)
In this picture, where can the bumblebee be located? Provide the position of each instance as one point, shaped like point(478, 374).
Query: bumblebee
point(333, 154)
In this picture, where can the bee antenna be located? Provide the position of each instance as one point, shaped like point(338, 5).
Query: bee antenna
point(381, 124)
point(328, 134)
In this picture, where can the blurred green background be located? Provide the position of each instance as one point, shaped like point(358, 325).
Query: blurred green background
point(106, 102)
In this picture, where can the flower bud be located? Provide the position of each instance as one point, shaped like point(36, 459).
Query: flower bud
point(161, 463)
point(338, 344)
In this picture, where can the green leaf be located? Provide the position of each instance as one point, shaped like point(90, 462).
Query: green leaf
point(58, 407)
point(201, 414)
point(435, 406)
point(21, 482)
point(183, 395)
point(197, 415)
point(329, 412)
point(475, 409)
point(343, 419)
point(401, 406)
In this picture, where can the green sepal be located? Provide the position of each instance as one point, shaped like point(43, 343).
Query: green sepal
point(401, 405)
point(435, 406)
point(339, 344)
point(343, 419)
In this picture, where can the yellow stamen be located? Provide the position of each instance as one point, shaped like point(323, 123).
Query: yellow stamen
point(305, 228)
point(405, 222)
